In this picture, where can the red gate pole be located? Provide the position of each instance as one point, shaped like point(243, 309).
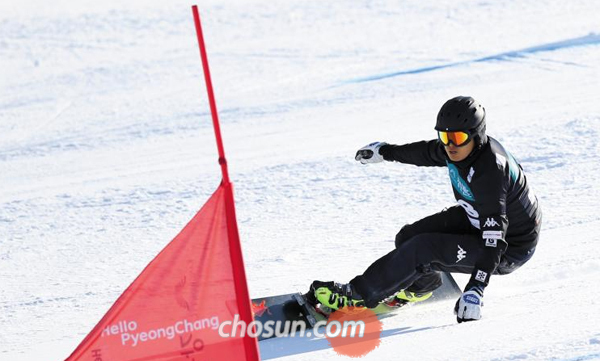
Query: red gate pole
point(235, 249)
point(211, 95)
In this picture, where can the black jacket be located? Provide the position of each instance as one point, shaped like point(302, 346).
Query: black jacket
point(492, 189)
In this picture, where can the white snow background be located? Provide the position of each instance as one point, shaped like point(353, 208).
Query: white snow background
point(107, 150)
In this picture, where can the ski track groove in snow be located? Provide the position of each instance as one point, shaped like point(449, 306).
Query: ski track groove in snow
point(591, 39)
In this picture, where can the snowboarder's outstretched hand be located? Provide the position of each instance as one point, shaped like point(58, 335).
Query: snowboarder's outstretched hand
point(370, 153)
point(468, 306)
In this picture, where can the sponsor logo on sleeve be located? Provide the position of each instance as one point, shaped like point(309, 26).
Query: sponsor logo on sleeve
point(491, 238)
point(492, 234)
point(491, 243)
point(481, 276)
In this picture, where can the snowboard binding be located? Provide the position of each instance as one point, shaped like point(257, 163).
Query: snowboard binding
point(326, 297)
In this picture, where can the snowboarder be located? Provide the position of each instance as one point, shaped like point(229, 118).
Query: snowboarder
point(494, 228)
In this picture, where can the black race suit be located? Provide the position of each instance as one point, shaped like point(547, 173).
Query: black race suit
point(494, 228)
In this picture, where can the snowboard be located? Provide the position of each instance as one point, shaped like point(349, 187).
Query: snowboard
point(294, 307)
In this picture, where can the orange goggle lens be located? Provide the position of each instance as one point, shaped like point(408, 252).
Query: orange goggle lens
point(456, 138)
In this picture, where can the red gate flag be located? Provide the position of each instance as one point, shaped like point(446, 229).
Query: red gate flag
point(174, 309)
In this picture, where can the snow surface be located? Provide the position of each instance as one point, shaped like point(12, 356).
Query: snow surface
point(106, 151)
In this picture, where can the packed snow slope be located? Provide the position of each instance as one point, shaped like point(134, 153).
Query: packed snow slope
point(107, 150)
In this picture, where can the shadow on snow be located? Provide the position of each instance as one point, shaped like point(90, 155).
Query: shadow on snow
point(287, 346)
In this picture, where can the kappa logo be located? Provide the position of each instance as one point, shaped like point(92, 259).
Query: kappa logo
point(490, 222)
point(461, 254)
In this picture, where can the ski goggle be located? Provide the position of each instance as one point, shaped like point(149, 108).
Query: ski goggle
point(457, 138)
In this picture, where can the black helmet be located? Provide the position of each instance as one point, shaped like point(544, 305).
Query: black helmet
point(463, 114)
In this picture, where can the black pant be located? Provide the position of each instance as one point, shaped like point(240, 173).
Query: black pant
point(445, 241)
